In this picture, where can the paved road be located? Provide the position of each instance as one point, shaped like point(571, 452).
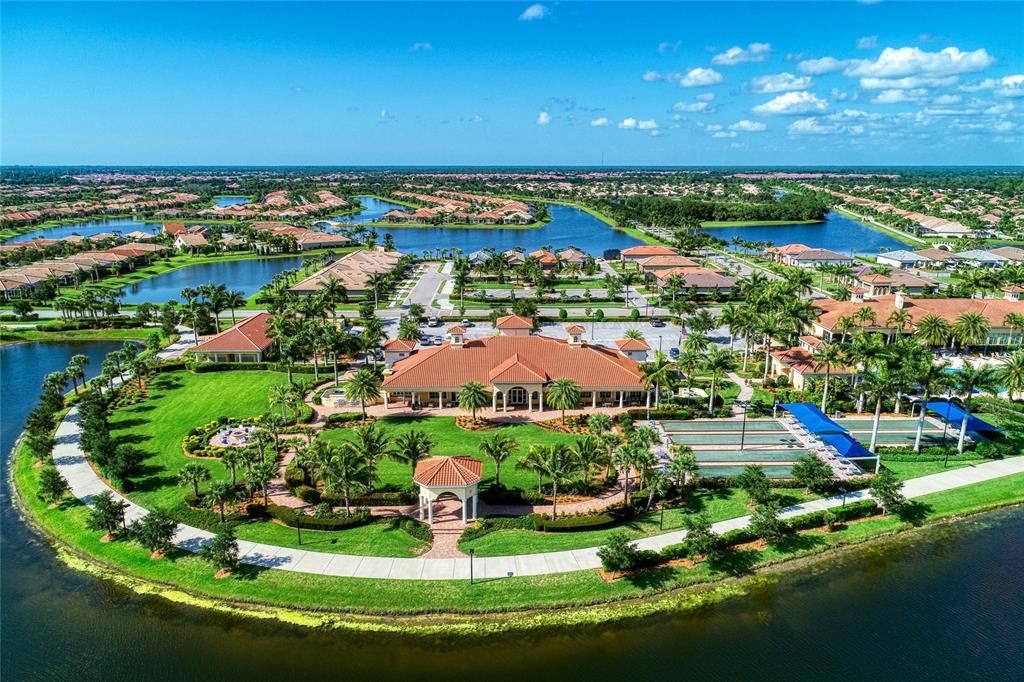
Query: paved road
point(85, 485)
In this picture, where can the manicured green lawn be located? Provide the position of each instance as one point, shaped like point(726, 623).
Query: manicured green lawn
point(15, 336)
point(717, 504)
point(905, 470)
point(450, 440)
point(179, 401)
point(374, 539)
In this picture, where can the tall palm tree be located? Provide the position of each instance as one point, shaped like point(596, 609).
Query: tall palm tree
point(260, 475)
point(563, 394)
point(411, 447)
point(499, 447)
point(657, 374)
point(731, 316)
point(971, 329)
point(899, 318)
point(683, 467)
point(589, 455)
point(1011, 373)
point(828, 357)
point(193, 473)
point(533, 461)
point(559, 465)
point(364, 385)
point(717, 362)
point(878, 385)
point(768, 326)
point(968, 380)
point(473, 396)
point(1015, 322)
point(626, 458)
point(933, 330)
point(933, 378)
point(280, 396)
point(344, 468)
point(221, 494)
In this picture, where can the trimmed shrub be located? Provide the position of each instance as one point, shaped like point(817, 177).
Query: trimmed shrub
point(289, 517)
point(343, 419)
point(420, 531)
point(492, 523)
point(307, 494)
point(581, 522)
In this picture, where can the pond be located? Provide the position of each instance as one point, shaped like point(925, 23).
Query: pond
point(230, 201)
point(246, 276)
point(944, 606)
point(88, 228)
point(568, 227)
point(837, 233)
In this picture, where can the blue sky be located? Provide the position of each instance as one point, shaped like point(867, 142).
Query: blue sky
point(798, 83)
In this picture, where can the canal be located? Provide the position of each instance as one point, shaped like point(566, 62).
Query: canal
point(87, 229)
point(944, 606)
point(246, 276)
point(837, 233)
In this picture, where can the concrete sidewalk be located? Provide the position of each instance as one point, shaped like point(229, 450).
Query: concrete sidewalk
point(85, 484)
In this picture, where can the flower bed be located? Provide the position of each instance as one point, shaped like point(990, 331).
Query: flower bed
point(469, 424)
point(196, 442)
point(347, 420)
point(574, 425)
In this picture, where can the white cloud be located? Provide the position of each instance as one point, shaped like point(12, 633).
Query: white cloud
point(692, 107)
point(543, 118)
point(899, 62)
point(421, 47)
point(665, 46)
point(867, 42)
point(700, 77)
point(944, 100)
point(600, 122)
point(748, 126)
point(1007, 86)
point(706, 96)
point(724, 133)
point(779, 82)
point(897, 96)
point(792, 103)
point(711, 127)
point(652, 76)
point(811, 126)
point(755, 52)
point(816, 67)
point(628, 124)
point(477, 118)
point(649, 124)
point(999, 109)
point(386, 115)
point(907, 82)
point(534, 12)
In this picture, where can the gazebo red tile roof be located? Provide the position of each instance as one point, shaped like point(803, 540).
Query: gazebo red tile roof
point(514, 322)
point(444, 472)
point(400, 344)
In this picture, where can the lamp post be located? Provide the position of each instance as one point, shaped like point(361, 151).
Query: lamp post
point(471, 553)
point(298, 524)
point(743, 429)
point(661, 522)
point(843, 491)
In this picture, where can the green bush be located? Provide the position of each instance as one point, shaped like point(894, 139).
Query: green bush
point(420, 531)
point(343, 419)
point(374, 499)
point(294, 476)
point(492, 523)
point(307, 494)
point(289, 517)
point(593, 521)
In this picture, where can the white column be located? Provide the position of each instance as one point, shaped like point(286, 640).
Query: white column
point(430, 511)
point(541, 399)
point(648, 399)
point(593, 399)
point(504, 401)
point(421, 507)
point(475, 496)
point(529, 401)
point(494, 400)
point(464, 503)
point(385, 400)
point(622, 399)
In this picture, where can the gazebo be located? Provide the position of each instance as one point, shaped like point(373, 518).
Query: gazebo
point(437, 476)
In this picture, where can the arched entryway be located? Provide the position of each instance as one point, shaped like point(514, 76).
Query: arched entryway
point(517, 396)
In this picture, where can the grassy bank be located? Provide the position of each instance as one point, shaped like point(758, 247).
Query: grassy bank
point(320, 600)
point(910, 240)
point(756, 223)
point(8, 335)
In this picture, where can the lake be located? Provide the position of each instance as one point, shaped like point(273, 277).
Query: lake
point(230, 201)
point(246, 276)
point(88, 228)
point(944, 606)
point(568, 227)
point(837, 233)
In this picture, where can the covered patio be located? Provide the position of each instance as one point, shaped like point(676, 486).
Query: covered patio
point(448, 476)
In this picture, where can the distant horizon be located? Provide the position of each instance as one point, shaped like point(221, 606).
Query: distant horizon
point(246, 166)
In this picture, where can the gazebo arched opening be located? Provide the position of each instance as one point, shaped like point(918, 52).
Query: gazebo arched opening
point(440, 477)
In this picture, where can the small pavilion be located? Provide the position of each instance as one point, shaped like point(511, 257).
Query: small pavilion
point(438, 476)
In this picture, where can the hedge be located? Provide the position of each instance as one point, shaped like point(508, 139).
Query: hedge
point(289, 517)
point(492, 523)
point(594, 521)
point(341, 419)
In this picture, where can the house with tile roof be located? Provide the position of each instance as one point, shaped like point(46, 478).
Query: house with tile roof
point(247, 341)
point(517, 369)
point(903, 259)
point(798, 364)
point(638, 253)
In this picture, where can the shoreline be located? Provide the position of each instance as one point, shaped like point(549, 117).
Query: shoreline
point(898, 235)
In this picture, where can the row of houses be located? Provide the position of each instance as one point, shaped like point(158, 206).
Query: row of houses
point(82, 208)
point(929, 225)
point(278, 205)
point(24, 279)
point(196, 237)
point(665, 268)
point(803, 256)
point(20, 250)
point(353, 271)
point(458, 207)
point(941, 259)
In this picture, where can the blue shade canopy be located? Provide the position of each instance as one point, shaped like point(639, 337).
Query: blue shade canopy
point(954, 415)
point(816, 421)
point(846, 445)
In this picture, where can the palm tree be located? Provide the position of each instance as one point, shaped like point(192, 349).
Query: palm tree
point(899, 318)
point(1011, 373)
point(932, 378)
point(411, 447)
point(878, 385)
point(658, 374)
point(559, 465)
point(683, 466)
point(635, 334)
point(768, 326)
point(533, 461)
point(718, 363)
point(234, 300)
point(599, 423)
point(221, 494)
point(731, 316)
point(473, 396)
point(626, 457)
point(280, 396)
point(563, 394)
point(498, 447)
point(589, 455)
point(1015, 321)
point(231, 458)
point(343, 468)
point(827, 357)
point(968, 380)
point(933, 330)
point(364, 385)
point(193, 473)
point(971, 329)
point(260, 475)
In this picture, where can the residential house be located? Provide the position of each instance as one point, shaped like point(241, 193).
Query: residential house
point(903, 260)
point(247, 341)
point(638, 253)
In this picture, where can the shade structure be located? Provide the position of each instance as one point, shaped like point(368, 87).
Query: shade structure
point(954, 415)
point(846, 445)
point(816, 421)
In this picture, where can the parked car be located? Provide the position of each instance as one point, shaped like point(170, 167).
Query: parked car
point(466, 322)
point(434, 322)
point(673, 353)
point(657, 322)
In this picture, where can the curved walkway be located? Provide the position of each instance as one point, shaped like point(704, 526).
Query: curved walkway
point(70, 460)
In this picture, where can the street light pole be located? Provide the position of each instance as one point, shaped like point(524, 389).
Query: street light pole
point(743, 430)
point(298, 524)
point(471, 553)
point(843, 491)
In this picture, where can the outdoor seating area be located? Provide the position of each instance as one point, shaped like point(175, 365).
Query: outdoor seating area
point(233, 436)
point(827, 439)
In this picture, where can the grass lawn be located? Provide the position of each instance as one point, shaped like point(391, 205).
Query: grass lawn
point(373, 539)
point(905, 470)
point(755, 223)
point(285, 588)
point(177, 402)
point(16, 336)
point(451, 440)
point(717, 504)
